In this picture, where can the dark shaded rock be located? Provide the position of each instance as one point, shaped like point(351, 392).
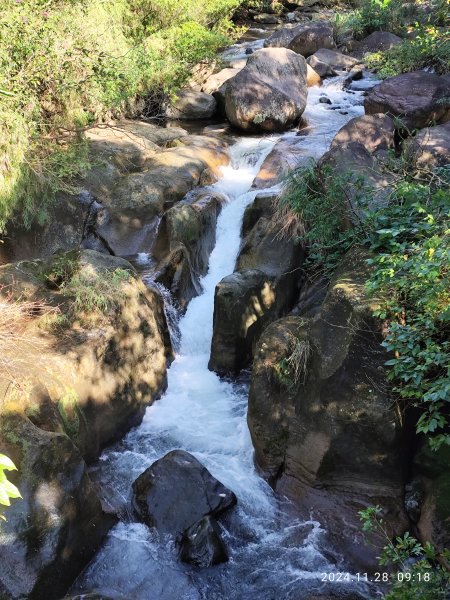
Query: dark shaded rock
point(325, 100)
point(177, 491)
point(306, 425)
point(266, 19)
point(263, 287)
point(374, 132)
point(336, 60)
point(417, 99)
point(365, 173)
point(58, 525)
point(201, 545)
point(431, 473)
point(99, 382)
point(269, 94)
point(430, 148)
point(376, 42)
point(191, 105)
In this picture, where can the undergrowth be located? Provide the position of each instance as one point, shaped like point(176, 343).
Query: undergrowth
point(67, 64)
point(409, 238)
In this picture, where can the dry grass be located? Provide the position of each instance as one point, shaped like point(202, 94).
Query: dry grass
point(20, 344)
point(298, 359)
point(288, 224)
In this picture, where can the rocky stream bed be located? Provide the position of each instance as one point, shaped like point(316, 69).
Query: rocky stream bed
point(182, 470)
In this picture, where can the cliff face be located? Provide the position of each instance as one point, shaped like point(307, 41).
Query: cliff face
point(86, 377)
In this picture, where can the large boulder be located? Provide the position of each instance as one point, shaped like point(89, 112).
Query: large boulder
point(287, 154)
point(99, 350)
point(201, 544)
point(374, 132)
point(336, 60)
point(378, 41)
point(263, 287)
point(270, 92)
point(191, 105)
point(417, 99)
point(176, 491)
point(129, 217)
point(304, 39)
point(430, 148)
point(322, 422)
point(186, 237)
point(364, 173)
point(53, 531)
point(312, 37)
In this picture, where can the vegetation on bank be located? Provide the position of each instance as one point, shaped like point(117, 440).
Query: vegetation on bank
point(66, 64)
point(417, 573)
point(8, 490)
point(409, 237)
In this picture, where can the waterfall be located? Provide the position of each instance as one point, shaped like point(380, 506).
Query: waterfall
point(272, 555)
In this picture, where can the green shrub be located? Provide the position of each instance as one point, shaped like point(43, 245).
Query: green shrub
point(7, 489)
point(410, 241)
point(415, 573)
point(66, 64)
point(429, 49)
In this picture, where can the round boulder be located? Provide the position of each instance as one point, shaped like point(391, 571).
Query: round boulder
point(176, 491)
point(304, 39)
point(418, 99)
point(191, 106)
point(270, 92)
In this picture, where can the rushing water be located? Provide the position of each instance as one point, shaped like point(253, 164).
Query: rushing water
point(272, 556)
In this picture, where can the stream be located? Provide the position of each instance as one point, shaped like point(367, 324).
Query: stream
point(272, 555)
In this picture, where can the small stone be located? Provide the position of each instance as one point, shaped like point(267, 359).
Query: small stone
point(202, 545)
point(325, 100)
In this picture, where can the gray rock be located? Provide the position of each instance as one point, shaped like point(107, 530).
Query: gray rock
point(176, 492)
point(418, 99)
point(201, 545)
point(305, 39)
point(322, 68)
point(270, 92)
point(191, 105)
point(430, 148)
point(374, 132)
point(376, 42)
point(336, 60)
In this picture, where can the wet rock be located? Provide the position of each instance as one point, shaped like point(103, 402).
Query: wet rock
point(378, 41)
point(318, 391)
point(335, 60)
point(201, 545)
point(58, 525)
point(176, 492)
point(186, 238)
point(430, 148)
point(263, 287)
point(325, 100)
point(374, 132)
point(303, 39)
point(312, 78)
point(418, 99)
point(269, 94)
point(191, 105)
point(356, 73)
point(321, 68)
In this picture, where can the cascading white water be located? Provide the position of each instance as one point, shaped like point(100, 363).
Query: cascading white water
point(271, 555)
